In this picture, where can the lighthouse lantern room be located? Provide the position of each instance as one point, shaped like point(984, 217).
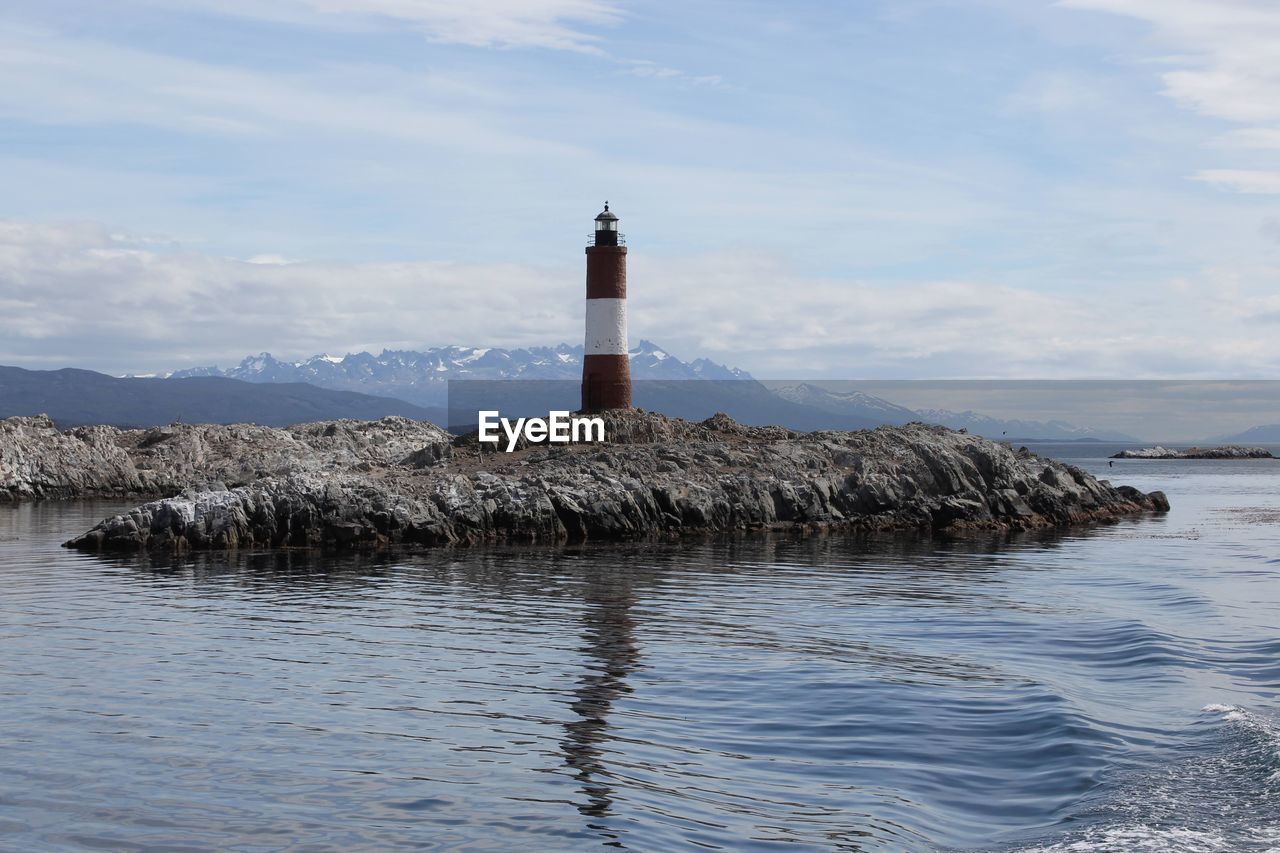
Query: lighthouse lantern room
point(607, 227)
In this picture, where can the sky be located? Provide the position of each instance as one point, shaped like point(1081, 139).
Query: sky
point(878, 190)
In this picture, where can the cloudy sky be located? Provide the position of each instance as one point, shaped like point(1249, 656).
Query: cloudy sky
point(907, 188)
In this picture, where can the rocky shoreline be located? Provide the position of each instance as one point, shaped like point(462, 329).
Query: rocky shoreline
point(1229, 451)
point(345, 484)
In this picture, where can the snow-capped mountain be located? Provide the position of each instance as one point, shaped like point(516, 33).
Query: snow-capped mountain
point(422, 377)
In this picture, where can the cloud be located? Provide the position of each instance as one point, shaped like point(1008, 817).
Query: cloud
point(70, 80)
point(1058, 92)
point(288, 159)
point(1250, 138)
point(81, 294)
point(85, 295)
point(784, 323)
point(1242, 180)
point(550, 24)
point(1225, 65)
point(508, 23)
point(645, 68)
point(900, 249)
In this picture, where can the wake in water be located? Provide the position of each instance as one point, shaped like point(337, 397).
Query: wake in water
point(1224, 798)
point(863, 694)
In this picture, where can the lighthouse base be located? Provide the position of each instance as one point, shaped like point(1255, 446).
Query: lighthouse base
point(606, 382)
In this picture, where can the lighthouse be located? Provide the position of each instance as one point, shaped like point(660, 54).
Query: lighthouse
point(606, 369)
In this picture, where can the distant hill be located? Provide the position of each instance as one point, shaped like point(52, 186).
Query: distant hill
point(853, 404)
point(862, 406)
point(72, 397)
point(422, 377)
point(1265, 434)
point(1014, 429)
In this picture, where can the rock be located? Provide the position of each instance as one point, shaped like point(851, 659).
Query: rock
point(348, 484)
point(1229, 451)
point(38, 461)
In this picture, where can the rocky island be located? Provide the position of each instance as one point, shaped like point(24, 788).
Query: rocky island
point(379, 483)
point(1230, 451)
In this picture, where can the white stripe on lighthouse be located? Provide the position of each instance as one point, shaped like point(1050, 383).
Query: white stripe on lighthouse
point(606, 327)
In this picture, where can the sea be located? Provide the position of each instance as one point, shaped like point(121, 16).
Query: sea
point(1110, 688)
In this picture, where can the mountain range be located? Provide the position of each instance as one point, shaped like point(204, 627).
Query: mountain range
point(864, 405)
point(77, 397)
point(415, 383)
point(422, 377)
point(1264, 434)
point(1015, 429)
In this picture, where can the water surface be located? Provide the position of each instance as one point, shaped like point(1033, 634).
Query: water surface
point(1109, 689)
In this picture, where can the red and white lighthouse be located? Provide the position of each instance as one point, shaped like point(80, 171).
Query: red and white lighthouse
point(606, 367)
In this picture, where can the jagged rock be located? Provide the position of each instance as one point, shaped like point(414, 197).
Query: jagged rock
point(38, 461)
point(346, 484)
point(1229, 451)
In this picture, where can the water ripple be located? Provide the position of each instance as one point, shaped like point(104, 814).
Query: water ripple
point(1036, 692)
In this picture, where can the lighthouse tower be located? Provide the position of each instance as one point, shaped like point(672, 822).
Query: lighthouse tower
point(606, 370)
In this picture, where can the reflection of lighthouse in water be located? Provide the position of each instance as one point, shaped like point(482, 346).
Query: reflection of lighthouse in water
point(606, 368)
point(611, 652)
